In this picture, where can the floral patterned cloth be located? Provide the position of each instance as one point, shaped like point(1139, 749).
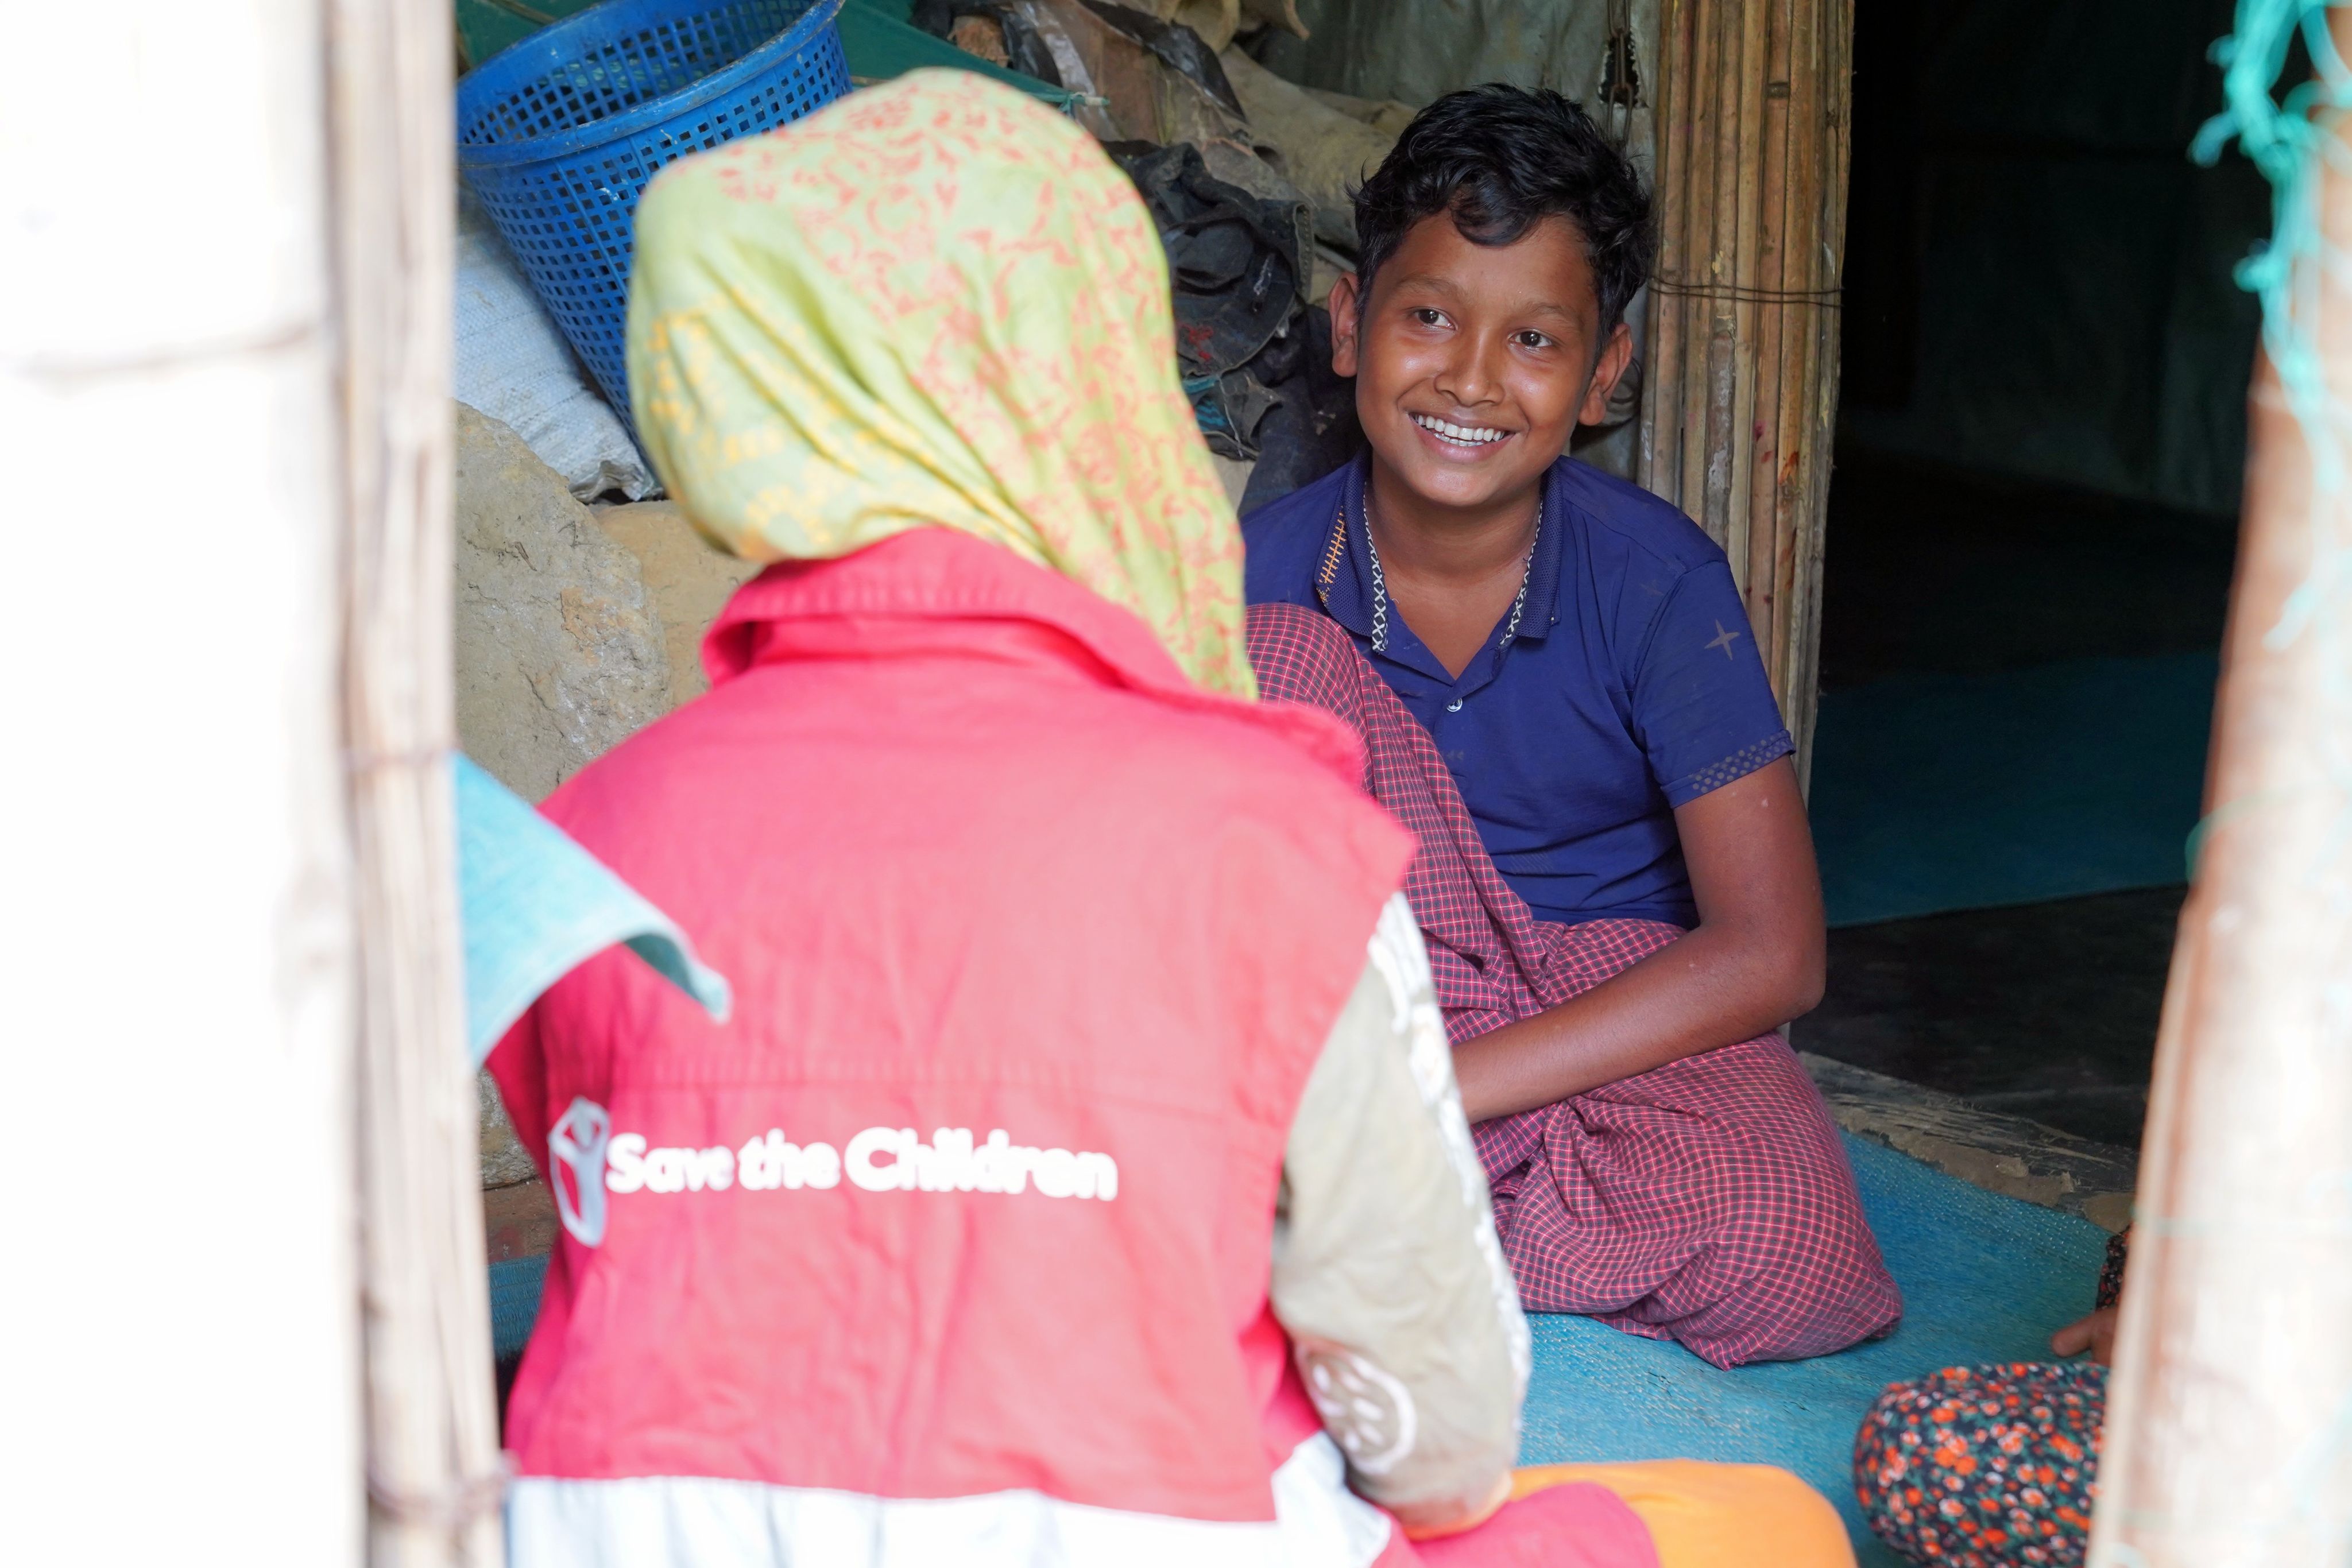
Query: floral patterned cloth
point(1985, 1466)
point(1989, 1467)
point(2111, 1272)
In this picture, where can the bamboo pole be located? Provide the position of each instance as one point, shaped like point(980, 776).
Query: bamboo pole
point(1799, 349)
point(183, 1379)
point(1707, 228)
point(1686, 177)
point(1658, 446)
point(1780, 175)
point(434, 1469)
point(1740, 387)
point(1810, 432)
point(1732, 413)
point(2229, 1434)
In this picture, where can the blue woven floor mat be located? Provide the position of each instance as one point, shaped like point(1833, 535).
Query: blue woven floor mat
point(1985, 1279)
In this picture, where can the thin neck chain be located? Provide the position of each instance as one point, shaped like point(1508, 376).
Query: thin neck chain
point(1381, 583)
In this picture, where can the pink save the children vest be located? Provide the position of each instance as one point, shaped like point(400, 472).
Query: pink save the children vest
point(952, 1245)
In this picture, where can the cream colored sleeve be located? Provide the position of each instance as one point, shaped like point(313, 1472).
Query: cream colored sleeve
point(1387, 1270)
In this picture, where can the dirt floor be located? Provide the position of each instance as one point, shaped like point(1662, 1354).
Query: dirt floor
point(2046, 1011)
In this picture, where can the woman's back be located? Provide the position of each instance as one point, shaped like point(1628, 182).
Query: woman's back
point(978, 1185)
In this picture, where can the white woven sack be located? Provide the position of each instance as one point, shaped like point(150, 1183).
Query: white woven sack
point(514, 365)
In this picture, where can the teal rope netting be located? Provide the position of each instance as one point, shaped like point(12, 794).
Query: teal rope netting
point(2292, 139)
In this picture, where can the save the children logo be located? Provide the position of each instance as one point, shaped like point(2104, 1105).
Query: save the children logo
point(582, 1148)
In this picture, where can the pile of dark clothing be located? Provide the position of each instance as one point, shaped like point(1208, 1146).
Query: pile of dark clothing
point(1255, 357)
point(1242, 239)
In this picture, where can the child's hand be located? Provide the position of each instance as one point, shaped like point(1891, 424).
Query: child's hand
point(2095, 1334)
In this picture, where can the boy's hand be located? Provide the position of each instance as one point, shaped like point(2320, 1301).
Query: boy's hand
point(2095, 1334)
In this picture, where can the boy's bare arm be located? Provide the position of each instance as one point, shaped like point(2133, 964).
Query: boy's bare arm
point(1755, 961)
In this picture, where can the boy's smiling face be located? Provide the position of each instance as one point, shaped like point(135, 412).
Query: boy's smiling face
point(1473, 363)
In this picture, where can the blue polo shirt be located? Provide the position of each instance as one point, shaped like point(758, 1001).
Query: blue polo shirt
point(1632, 685)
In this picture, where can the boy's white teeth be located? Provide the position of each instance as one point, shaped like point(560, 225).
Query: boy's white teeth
point(1472, 434)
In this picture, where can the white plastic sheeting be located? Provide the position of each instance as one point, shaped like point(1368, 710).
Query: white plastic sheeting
point(514, 365)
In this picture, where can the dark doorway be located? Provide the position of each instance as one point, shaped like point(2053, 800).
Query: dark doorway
point(2041, 427)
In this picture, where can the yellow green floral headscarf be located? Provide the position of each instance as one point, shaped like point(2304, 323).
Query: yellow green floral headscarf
point(935, 303)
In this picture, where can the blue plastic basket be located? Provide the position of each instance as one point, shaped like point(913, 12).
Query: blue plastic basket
point(559, 135)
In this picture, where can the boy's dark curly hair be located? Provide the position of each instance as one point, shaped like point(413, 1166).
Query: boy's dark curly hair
point(1502, 159)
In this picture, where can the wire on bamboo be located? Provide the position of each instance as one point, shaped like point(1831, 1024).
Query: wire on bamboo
point(432, 1458)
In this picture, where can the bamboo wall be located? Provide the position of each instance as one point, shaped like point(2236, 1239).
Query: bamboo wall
point(182, 1381)
point(236, 969)
point(1739, 399)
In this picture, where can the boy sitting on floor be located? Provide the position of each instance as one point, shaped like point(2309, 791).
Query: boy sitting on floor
point(1578, 653)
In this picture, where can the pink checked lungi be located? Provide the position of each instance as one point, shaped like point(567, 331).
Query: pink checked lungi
point(1708, 1201)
